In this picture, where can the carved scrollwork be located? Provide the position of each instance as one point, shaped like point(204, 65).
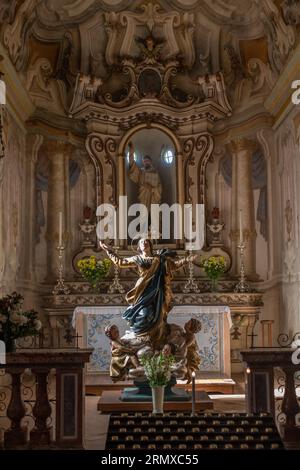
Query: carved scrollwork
point(94, 146)
point(103, 152)
point(120, 89)
point(188, 150)
point(123, 27)
point(204, 145)
point(202, 148)
point(148, 118)
point(16, 33)
point(188, 146)
point(110, 149)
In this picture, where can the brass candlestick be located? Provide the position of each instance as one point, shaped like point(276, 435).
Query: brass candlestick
point(60, 288)
point(242, 285)
point(191, 285)
point(116, 286)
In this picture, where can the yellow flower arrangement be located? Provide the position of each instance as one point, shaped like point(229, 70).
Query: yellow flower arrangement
point(93, 270)
point(214, 266)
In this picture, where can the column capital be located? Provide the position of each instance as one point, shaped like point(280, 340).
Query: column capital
point(242, 143)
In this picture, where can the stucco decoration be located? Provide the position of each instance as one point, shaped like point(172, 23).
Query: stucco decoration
point(46, 91)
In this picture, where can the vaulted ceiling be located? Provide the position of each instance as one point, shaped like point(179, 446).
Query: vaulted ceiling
point(54, 40)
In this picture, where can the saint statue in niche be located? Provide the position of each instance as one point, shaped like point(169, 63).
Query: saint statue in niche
point(148, 180)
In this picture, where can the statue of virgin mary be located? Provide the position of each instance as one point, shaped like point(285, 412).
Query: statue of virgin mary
point(150, 299)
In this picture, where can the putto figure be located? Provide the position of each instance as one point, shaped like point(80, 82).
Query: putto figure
point(123, 356)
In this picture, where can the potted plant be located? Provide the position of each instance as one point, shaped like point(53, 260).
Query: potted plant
point(15, 323)
point(93, 270)
point(158, 372)
point(214, 267)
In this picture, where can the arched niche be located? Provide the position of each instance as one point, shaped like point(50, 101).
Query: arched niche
point(164, 149)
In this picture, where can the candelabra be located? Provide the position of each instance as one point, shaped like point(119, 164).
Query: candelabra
point(242, 285)
point(116, 286)
point(191, 285)
point(60, 288)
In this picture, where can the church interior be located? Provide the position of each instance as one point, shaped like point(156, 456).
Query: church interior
point(197, 100)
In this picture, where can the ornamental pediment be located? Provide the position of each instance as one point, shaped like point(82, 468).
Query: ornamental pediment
point(145, 89)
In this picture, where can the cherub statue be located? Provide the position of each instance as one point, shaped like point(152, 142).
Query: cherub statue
point(192, 327)
point(123, 357)
point(186, 354)
point(168, 349)
point(149, 48)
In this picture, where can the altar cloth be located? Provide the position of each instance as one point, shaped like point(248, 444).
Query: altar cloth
point(213, 339)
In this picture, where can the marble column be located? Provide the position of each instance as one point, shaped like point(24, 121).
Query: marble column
point(57, 152)
point(243, 200)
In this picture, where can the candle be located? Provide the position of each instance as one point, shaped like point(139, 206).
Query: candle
point(193, 393)
point(241, 227)
point(60, 230)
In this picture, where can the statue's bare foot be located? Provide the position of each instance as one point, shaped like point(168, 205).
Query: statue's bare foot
point(137, 372)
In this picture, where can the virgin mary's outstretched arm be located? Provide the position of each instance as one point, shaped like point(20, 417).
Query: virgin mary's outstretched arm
point(129, 262)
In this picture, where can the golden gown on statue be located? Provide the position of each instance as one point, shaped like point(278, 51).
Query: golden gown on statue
point(150, 299)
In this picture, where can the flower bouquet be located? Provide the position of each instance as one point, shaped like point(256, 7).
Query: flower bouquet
point(93, 270)
point(157, 368)
point(158, 372)
point(214, 267)
point(15, 323)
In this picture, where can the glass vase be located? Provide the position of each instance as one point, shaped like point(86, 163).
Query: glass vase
point(214, 284)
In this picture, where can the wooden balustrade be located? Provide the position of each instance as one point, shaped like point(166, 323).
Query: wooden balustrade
point(260, 387)
point(15, 435)
point(68, 398)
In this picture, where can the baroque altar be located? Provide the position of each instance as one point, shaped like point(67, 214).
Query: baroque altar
point(148, 96)
point(244, 310)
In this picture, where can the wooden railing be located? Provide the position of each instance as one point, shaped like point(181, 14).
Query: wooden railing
point(261, 364)
point(55, 421)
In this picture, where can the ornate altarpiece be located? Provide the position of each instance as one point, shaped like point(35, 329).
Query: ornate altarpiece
point(150, 86)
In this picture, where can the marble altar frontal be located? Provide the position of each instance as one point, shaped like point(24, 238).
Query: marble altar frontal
point(213, 339)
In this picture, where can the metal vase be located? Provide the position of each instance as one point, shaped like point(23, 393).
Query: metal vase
point(158, 394)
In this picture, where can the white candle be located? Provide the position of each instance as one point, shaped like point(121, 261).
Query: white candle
point(60, 230)
point(193, 393)
point(241, 227)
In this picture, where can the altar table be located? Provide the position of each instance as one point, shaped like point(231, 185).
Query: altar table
point(213, 339)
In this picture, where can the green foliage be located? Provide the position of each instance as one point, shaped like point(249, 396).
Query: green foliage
point(157, 368)
point(93, 270)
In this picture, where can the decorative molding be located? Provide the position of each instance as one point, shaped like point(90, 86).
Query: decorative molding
point(205, 146)
point(16, 34)
point(197, 153)
point(177, 29)
point(45, 91)
point(94, 146)
point(86, 297)
point(281, 37)
point(279, 102)
point(18, 101)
